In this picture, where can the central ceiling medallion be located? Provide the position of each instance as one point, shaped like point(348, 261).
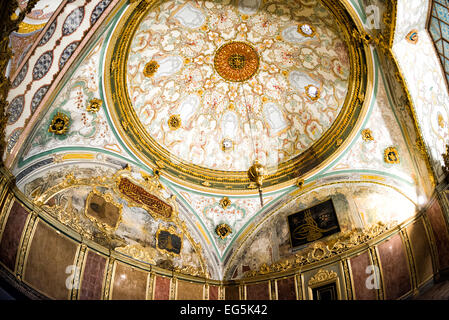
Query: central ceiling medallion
point(236, 61)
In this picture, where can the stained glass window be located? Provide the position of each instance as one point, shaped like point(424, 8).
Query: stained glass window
point(439, 30)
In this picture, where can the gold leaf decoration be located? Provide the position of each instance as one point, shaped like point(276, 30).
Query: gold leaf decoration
point(225, 202)
point(59, 124)
point(94, 105)
point(150, 68)
point(320, 250)
point(391, 155)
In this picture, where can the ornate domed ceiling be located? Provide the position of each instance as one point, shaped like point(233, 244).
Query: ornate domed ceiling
point(203, 89)
point(200, 90)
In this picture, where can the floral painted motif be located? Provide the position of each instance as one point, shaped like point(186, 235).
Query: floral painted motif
point(42, 65)
point(73, 21)
point(98, 10)
point(287, 102)
point(87, 128)
point(67, 53)
point(20, 76)
point(15, 109)
point(48, 34)
point(38, 96)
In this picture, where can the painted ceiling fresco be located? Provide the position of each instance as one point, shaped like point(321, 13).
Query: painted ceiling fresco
point(439, 30)
point(288, 64)
point(297, 65)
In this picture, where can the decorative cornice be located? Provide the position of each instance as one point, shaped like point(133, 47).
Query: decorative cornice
point(320, 251)
point(322, 276)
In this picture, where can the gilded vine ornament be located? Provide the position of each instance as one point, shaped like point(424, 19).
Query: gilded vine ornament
point(174, 122)
point(150, 184)
point(322, 276)
point(223, 230)
point(59, 124)
point(319, 251)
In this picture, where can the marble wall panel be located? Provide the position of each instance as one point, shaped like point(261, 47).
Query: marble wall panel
point(12, 233)
point(360, 276)
point(50, 256)
point(232, 293)
point(189, 291)
point(421, 251)
point(129, 283)
point(259, 291)
point(286, 289)
point(440, 233)
point(93, 277)
point(161, 288)
point(213, 293)
point(394, 266)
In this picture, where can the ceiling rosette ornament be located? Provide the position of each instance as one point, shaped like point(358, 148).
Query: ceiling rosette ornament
point(207, 88)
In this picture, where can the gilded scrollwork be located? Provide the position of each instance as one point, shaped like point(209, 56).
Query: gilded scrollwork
point(320, 250)
point(151, 196)
point(322, 276)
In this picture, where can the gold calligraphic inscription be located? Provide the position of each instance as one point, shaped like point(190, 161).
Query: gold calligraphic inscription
point(150, 68)
point(310, 230)
point(103, 211)
point(139, 195)
point(236, 61)
point(169, 241)
point(59, 124)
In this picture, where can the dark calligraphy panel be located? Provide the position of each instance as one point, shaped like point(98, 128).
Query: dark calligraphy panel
point(313, 224)
point(169, 242)
point(102, 210)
